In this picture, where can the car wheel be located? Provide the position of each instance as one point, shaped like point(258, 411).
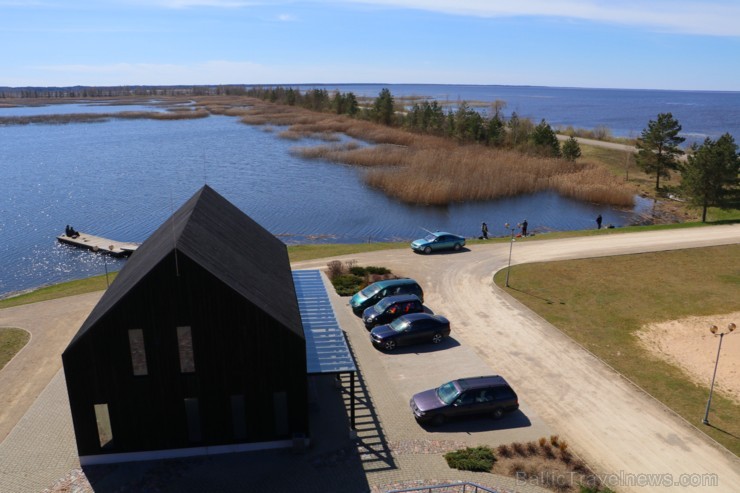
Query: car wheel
point(438, 420)
point(428, 250)
point(389, 345)
point(437, 338)
point(497, 413)
point(457, 246)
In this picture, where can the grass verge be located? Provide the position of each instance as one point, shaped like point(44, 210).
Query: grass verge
point(299, 253)
point(11, 341)
point(602, 302)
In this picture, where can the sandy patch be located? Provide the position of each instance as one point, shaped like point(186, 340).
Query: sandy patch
point(689, 344)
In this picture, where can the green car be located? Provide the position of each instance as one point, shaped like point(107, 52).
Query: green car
point(439, 240)
point(382, 289)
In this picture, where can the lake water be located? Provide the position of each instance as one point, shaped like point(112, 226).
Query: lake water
point(122, 178)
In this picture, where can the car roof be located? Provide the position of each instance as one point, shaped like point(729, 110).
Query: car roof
point(420, 315)
point(401, 298)
point(484, 381)
point(393, 282)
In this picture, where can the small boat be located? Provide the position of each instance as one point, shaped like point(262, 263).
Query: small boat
point(99, 244)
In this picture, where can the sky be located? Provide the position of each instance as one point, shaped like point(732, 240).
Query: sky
point(638, 44)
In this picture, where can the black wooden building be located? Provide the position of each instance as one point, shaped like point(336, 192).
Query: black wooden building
point(196, 347)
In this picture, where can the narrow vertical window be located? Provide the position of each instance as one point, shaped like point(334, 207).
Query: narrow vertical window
point(185, 345)
point(105, 433)
point(280, 406)
point(138, 351)
point(193, 415)
point(238, 417)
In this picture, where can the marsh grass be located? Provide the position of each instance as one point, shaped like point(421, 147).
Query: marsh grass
point(602, 302)
point(424, 169)
point(179, 114)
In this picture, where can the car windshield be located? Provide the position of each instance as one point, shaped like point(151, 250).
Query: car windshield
point(399, 325)
point(370, 290)
point(448, 393)
point(381, 305)
point(430, 237)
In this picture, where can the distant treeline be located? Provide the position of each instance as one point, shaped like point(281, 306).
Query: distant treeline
point(77, 92)
point(462, 123)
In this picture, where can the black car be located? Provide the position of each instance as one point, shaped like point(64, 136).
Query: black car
point(410, 329)
point(390, 308)
point(488, 395)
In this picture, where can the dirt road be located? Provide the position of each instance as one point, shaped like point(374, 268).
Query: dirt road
point(618, 428)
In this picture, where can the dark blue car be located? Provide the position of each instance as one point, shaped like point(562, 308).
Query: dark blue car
point(416, 328)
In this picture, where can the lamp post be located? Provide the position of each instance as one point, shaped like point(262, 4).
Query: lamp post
point(713, 329)
point(511, 246)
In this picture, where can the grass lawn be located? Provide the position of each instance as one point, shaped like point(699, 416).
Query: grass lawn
point(11, 341)
point(602, 302)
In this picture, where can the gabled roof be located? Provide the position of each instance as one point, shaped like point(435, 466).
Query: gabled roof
point(216, 235)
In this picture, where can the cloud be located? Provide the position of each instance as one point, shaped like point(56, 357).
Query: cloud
point(287, 18)
point(714, 18)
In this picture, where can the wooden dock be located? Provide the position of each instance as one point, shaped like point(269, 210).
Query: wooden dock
point(99, 244)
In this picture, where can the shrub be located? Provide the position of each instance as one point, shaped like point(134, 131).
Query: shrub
point(532, 448)
point(471, 459)
point(335, 268)
point(519, 449)
point(547, 451)
point(554, 440)
point(347, 284)
point(377, 270)
point(543, 441)
point(504, 451)
point(359, 271)
point(565, 456)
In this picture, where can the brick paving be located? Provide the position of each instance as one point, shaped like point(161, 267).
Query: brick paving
point(391, 450)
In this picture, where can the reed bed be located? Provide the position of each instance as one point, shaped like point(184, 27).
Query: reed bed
point(297, 134)
point(54, 119)
point(352, 153)
point(424, 169)
point(442, 176)
point(162, 115)
point(101, 117)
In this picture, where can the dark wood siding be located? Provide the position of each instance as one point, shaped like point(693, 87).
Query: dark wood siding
point(238, 350)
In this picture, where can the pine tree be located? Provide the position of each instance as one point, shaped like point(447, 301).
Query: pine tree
point(710, 175)
point(571, 150)
point(658, 149)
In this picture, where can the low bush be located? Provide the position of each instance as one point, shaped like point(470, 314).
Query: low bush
point(358, 271)
point(519, 449)
point(371, 269)
point(348, 284)
point(471, 459)
point(504, 451)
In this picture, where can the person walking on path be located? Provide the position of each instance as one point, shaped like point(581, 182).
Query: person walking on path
point(484, 230)
point(524, 228)
point(598, 221)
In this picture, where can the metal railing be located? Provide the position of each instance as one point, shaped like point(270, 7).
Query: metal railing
point(448, 488)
